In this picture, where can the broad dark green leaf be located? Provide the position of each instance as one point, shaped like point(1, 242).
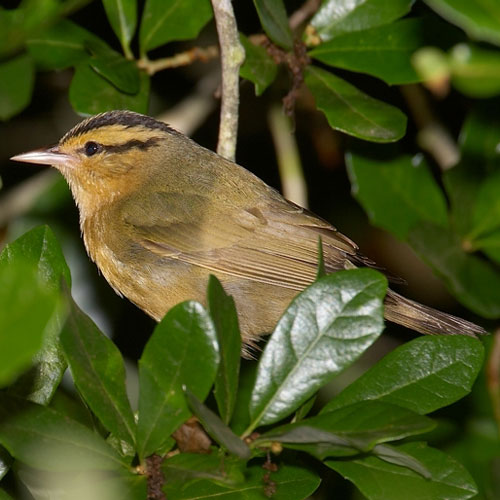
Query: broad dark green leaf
point(61, 46)
point(288, 483)
point(475, 72)
point(422, 375)
point(350, 430)
point(241, 415)
point(475, 282)
point(182, 351)
point(45, 439)
point(478, 18)
point(99, 373)
point(217, 429)
point(274, 20)
point(91, 94)
point(384, 51)
point(379, 480)
point(223, 312)
point(325, 329)
point(342, 16)
point(351, 111)
point(122, 15)
point(17, 77)
point(396, 193)
point(258, 67)
point(395, 455)
point(166, 20)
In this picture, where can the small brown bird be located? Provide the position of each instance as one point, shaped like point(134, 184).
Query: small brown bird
point(159, 214)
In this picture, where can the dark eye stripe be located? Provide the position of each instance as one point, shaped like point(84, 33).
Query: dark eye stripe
point(91, 148)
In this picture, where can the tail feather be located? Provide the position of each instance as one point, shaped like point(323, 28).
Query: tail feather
point(426, 320)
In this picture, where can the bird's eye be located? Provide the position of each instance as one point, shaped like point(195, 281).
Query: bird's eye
point(91, 148)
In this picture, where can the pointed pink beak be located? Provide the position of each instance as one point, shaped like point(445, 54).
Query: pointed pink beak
point(51, 156)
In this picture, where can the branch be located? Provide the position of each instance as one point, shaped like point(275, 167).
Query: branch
point(232, 57)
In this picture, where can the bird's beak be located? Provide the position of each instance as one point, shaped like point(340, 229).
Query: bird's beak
point(51, 156)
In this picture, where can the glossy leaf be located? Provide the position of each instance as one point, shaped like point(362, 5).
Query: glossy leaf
point(274, 20)
point(395, 455)
point(217, 429)
point(479, 19)
point(383, 51)
point(166, 20)
point(17, 77)
point(259, 67)
point(343, 16)
point(325, 329)
point(396, 193)
point(288, 483)
point(99, 373)
point(351, 111)
point(182, 351)
point(422, 375)
point(350, 430)
point(225, 318)
point(91, 94)
point(45, 439)
point(379, 480)
point(122, 15)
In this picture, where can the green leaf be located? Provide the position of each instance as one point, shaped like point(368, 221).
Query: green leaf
point(166, 20)
point(288, 483)
point(321, 271)
point(223, 312)
point(351, 111)
point(5, 462)
point(325, 329)
point(45, 439)
point(259, 67)
point(122, 15)
point(472, 280)
point(91, 94)
point(383, 51)
point(479, 19)
point(17, 77)
point(348, 431)
point(274, 20)
point(396, 193)
point(99, 373)
point(422, 375)
point(182, 351)
point(241, 415)
point(4, 495)
point(343, 16)
point(395, 455)
point(379, 480)
point(217, 429)
point(61, 46)
point(475, 72)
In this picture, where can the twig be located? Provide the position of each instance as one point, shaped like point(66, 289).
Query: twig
point(493, 376)
point(232, 57)
point(304, 12)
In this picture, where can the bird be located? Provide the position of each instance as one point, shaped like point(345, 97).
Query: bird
point(159, 214)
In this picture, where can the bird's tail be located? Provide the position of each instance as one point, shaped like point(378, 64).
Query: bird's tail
point(426, 320)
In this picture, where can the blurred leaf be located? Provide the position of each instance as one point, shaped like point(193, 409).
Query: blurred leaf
point(4, 495)
point(343, 16)
point(17, 77)
point(433, 66)
point(479, 19)
point(241, 414)
point(473, 281)
point(99, 373)
point(61, 46)
point(91, 94)
point(422, 375)
point(122, 15)
point(274, 20)
point(490, 245)
point(394, 455)
point(350, 430)
point(166, 20)
point(217, 429)
point(325, 329)
point(384, 51)
point(259, 67)
point(181, 352)
point(44, 439)
point(379, 480)
point(353, 112)
point(223, 313)
point(475, 72)
point(287, 483)
point(5, 462)
point(321, 271)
